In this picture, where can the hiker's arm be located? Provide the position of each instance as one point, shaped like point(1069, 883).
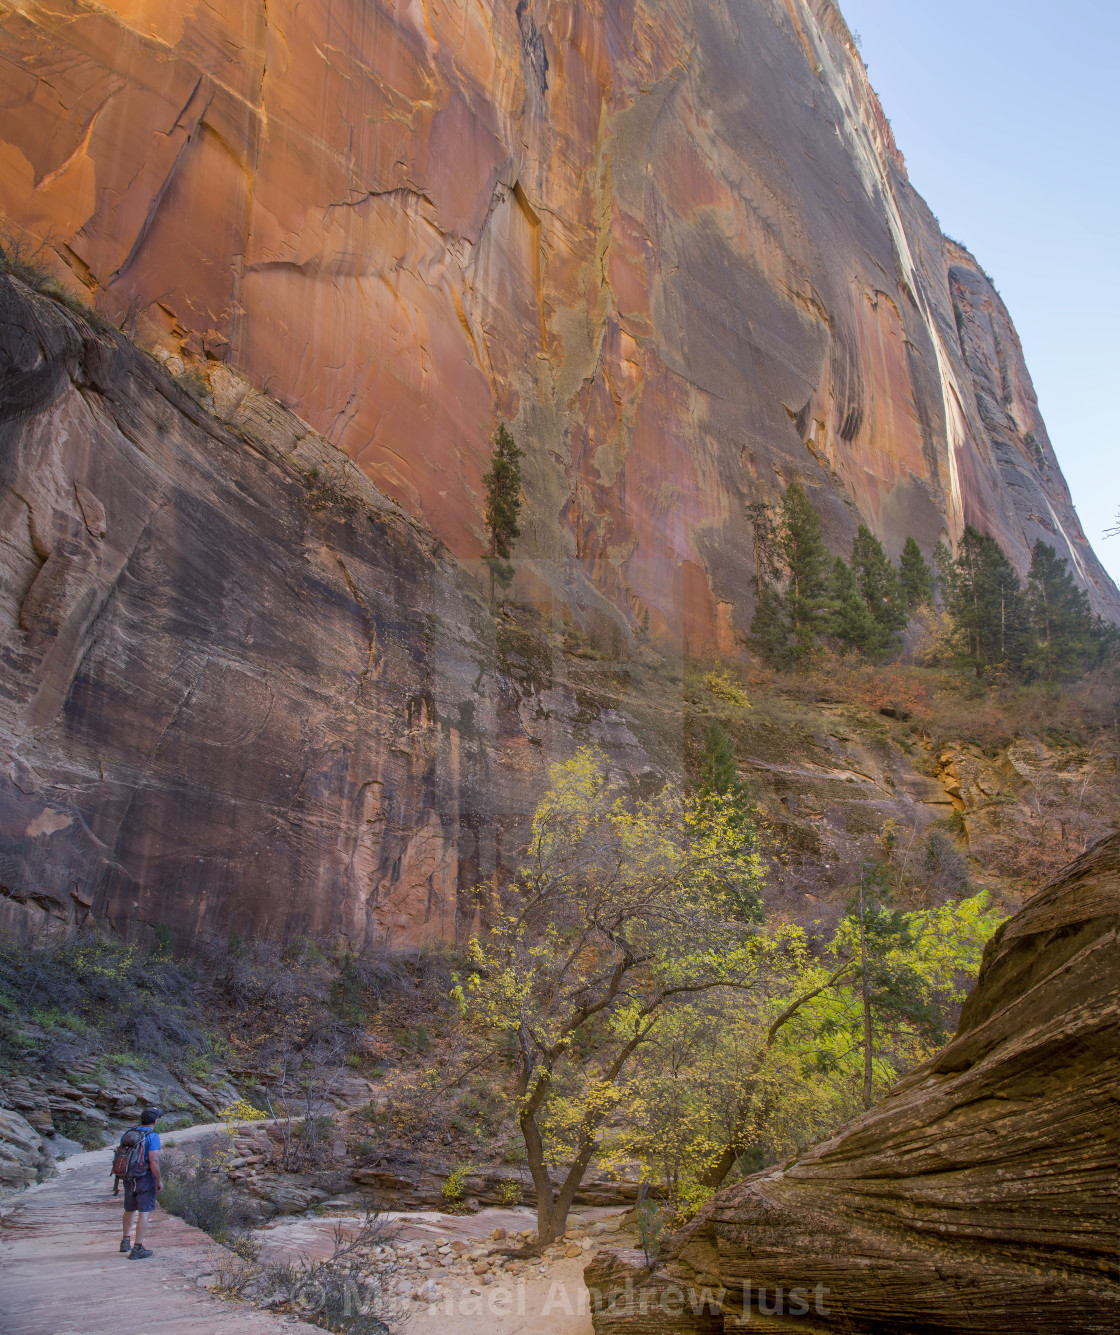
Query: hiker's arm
point(153, 1164)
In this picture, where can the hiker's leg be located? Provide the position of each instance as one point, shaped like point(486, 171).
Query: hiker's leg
point(129, 1219)
point(141, 1228)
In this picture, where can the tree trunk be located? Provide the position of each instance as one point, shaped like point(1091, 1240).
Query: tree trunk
point(558, 1219)
point(737, 1144)
point(714, 1174)
point(534, 1154)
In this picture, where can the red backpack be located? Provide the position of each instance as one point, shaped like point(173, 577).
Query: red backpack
point(131, 1158)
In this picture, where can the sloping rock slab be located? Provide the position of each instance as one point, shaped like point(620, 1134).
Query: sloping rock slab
point(980, 1195)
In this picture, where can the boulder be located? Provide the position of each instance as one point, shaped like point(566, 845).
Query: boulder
point(980, 1195)
point(209, 1100)
point(61, 1147)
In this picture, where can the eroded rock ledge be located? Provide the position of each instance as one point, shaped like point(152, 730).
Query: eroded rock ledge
point(980, 1195)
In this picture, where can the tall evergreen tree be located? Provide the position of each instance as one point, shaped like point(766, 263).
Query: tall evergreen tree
point(503, 493)
point(852, 622)
point(877, 581)
point(892, 988)
point(915, 578)
point(985, 601)
point(767, 557)
point(719, 771)
point(770, 629)
point(809, 564)
point(1061, 619)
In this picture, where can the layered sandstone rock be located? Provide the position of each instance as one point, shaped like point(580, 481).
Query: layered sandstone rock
point(24, 1157)
point(980, 1195)
point(240, 687)
point(672, 240)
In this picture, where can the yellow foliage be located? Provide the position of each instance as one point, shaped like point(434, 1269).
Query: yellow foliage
point(619, 911)
point(453, 1183)
point(723, 687)
point(241, 1111)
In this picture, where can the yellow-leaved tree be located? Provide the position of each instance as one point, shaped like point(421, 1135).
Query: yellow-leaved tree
point(623, 910)
point(736, 1080)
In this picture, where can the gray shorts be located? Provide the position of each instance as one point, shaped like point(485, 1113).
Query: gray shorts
point(141, 1194)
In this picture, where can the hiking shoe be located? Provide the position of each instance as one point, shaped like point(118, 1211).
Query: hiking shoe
point(126, 1246)
point(138, 1253)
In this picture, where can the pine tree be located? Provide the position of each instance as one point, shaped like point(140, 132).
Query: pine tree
point(767, 558)
point(809, 565)
point(915, 578)
point(719, 773)
point(877, 581)
point(1106, 637)
point(1061, 619)
point(770, 630)
point(852, 622)
point(985, 601)
point(503, 493)
point(892, 989)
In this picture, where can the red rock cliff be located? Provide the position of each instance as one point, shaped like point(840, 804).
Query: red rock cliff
point(673, 240)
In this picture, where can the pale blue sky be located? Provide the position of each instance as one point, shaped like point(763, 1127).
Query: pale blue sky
point(1008, 114)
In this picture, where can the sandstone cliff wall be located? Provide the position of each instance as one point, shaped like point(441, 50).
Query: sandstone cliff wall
point(673, 240)
point(980, 1195)
point(240, 688)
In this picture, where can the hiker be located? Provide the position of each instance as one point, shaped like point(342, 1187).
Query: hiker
point(137, 1162)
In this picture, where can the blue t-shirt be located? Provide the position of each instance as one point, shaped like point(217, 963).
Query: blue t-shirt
point(151, 1142)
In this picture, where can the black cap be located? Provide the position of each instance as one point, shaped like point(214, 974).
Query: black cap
point(150, 1116)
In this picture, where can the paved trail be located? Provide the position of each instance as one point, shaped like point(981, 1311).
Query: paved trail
point(61, 1272)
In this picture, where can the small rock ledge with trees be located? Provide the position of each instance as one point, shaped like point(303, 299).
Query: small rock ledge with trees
point(806, 598)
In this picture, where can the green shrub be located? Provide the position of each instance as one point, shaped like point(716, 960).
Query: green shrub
point(955, 824)
point(73, 1128)
point(198, 1064)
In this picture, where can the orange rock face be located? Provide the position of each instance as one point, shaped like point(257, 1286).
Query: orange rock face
point(671, 240)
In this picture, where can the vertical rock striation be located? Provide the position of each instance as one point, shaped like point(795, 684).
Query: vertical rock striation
point(240, 688)
point(672, 239)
